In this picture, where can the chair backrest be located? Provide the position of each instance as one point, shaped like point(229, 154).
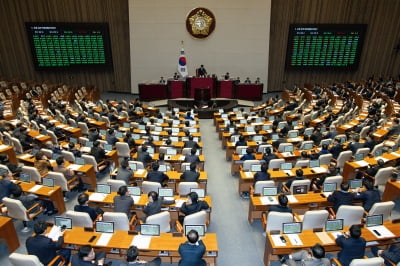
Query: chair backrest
point(84, 128)
point(338, 179)
point(122, 149)
point(33, 172)
point(80, 219)
point(376, 261)
point(295, 183)
point(350, 214)
point(261, 148)
point(69, 156)
point(15, 209)
point(198, 218)
point(364, 151)
point(325, 159)
point(302, 163)
point(120, 219)
point(325, 141)
point(59, 180)
point(282, 146)
point(184, 187)
point(163, 219)
point(115, 184)
point(240, 148)
point(89, 159)
point(343, 157)
point(377, 147)
point(17, 259)
point(275, 163)
point(276, 219)
point(148, 186)
point(383, 175)
point(315, 219)
point(17, 145)
point(385, 208)
point(47, 152)
point(83, 140)
point(248, 163)
point(258, 187)
point(306, 142)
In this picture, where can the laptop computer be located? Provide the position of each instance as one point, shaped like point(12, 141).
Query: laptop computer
point(127, 125)
point(358, 157)
point(104, 227)
point(89, 144)
point(134, 191)
point(150, 229)
point(162, 168)
point(269, 191)
point(24, 177)
point(171, 152)
point(79, 161)
point(103, 188)
point(286, 166)
point(307, 146)
point(63, 221)
point(201, 193)
point(293, 134)
point(355, 183)
point(266, 127)
point(255, 168)
point(334, 225)
point(199, 228)
point(300, 189)
point(167, 193)
point(292, 228)
point(314, 163)
point(108, 147)
point(288, 148)
point(328, 188)
point(374, 220)
point(48, 182)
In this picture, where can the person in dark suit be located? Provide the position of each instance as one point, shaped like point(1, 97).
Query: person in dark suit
point(299, 176)
point(86, 257)
point(132, 258)
point(155, 175)
point(395, 129)
point(316, 136)
point(98, 152)
point(191, 143)
point(192, 251)
point(124, 172)
point(45, 248)
point(341, 197)
point(317, 257)
point(143, 156)
point(6, 186)
point(336, 148)
point(353, 247)
point(369, 141)
point(392, 254)
point(369, 196)
point(192, 205)
point(282, 207)
point(268, 155)
point(83, 200)
point(93, 134)
point(241, 141)
point(201, 71)
point(111, 138)
point(249, 155)
point(123, 202)
point(263, 175)
point(356, 144)
point(192, 175)
point(192, 157)
point(154, 204)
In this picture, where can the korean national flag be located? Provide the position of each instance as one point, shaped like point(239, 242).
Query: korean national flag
point(182, 68)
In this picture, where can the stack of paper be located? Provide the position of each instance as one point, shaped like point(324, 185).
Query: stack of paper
point(268, 200)
point(35, 188)
point(104, 239)
point(97, 196)
point(141, 242)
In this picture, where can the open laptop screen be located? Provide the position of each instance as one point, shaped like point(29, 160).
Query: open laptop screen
point(150, 229)
point(270, 191)
point(48, 182)
point(134, 191)
point(374, 220)
point(166, 192)
point(255, 168)
point(334, 225)
point(61, 221)
point(358, 156)
point(201, 193)
point(291, 228)
point(307, 146)
point(199, 228)
point(329, 187)
point(355, 183)
point(103, 188)
point(104, 227)
point(286, 166)
point(314, 163)
point(24, 177)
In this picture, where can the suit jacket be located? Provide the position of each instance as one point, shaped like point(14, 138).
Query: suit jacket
point(111, 139)
point(352, 248)
point(336, 150)
point(124, 174)
point(144, 157)
point(247, 157)
point(68, 173)
point(93, 212)
point(190, 176)
point(43, 247)
point(305, 260)
point(98, 153)
point(339, 198)
point(192, 158)
point(191, 144)
point(154, 262)
point(123, 204)
point(278, 208)
point(155, 206)
point(368, 197)
point(157, 176)
point(393, 253)
point(261, 176)
point(192, 255)
point(194, 207)
point(6, 186)
point(354, 146)
point(76, 261)
point(270, 157)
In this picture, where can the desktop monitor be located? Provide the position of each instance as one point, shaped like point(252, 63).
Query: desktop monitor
point(257, 138)
point(231, 130)
point(156, 138)
point(24, 177)
point(187, 167)
point(243, 151)
point(359, 157)
point(329, 187)
point(355, 183)
point(119, 135)
point(249, 129)
point(281, 125)
point(127, 125)
point(295, 123)
point(61, 221)
point(235, 109)
point(255, 168)
point(334, 225)
point(269, 191)
point(176, 122)
point(291, 228)
point(192, 130)
point(150, 150)
point(342, 140)
point(374, 220)
point(166, 192)
point(308, 132)
point(266, 127)
point(171, 152)
point(134, 191)
point(150, 229)
point(288, 148)
point(176, 110)
point(162, 168)
point(378, 153)
point(271, 118)
point(158, 129)
point(102, 132)
point(48, 182)
point(293, 134)
point(135, 136)
point(243, 121)
point(141, 127)
point(286, 166)
point(174, 139)
point(200, 228)
point(201, 193)
point(145, 119)
point(103, 188)
point(307, 146)
point(175, 130)
point(104, 227)
point(300, 189)
point(326, 141)
point(160, 121)
point(89, 144)
point(275, 136)
point(314, 163)
point(79, 161)
point(108, 147)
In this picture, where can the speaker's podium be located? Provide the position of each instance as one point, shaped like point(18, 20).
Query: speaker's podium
point(202, 97)
point(197, 82)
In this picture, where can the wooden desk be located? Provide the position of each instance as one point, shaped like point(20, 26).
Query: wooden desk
point(309, 238)
point(177, 160)
point(8, 235)
point(392, 191)
point(41, 139)
point(166, 242)
point(9, 150)
point(53, 193)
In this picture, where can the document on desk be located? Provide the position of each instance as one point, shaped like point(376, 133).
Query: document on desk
point(35, 188)
point(320, 170)
point(362, 163)
point(277, 241)
point(380, 231)
point(269, 200)
point(2, 146)
point(139, 171)
point(178, 203)
point(325, 238)
point(292, 198)
point(97, 196)
point(295, 239)
point(182, 157)
point(135, 199)
point(104, 239)
point(25, 156)
point(85, 149)
point(74, 167)
point(336, 234)
point(248, 174)
point(141, 242)
point(393, 153)
point(54, 232)
point(39, 136)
